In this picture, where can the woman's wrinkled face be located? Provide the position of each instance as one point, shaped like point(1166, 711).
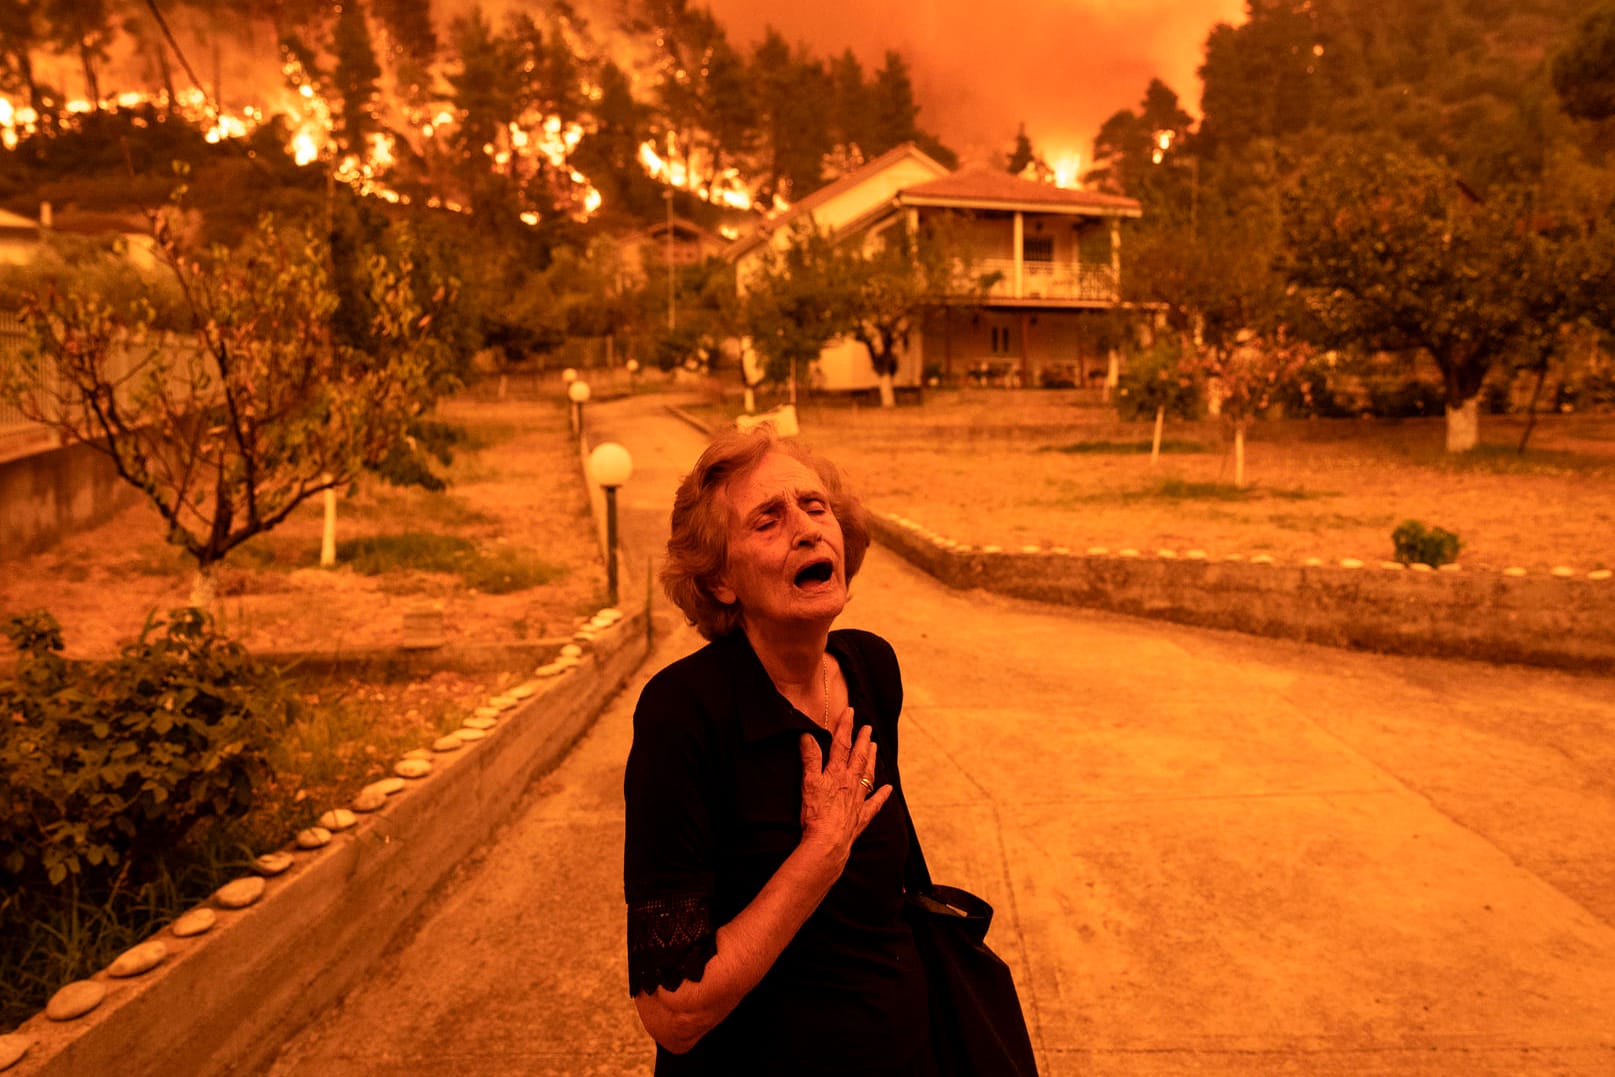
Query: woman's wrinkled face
point(786, 554)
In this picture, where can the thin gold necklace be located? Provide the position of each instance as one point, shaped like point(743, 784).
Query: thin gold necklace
point(824, 669)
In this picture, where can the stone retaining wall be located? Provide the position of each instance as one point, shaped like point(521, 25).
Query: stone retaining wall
point(48, 494)
point(223, 1002)
point(1566, 621)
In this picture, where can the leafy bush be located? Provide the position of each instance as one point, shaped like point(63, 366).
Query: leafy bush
point(1155, 378)
point(1312, 394)
point(1496, 396)
point(1587, 390)
point(1417, 545)
point(106, 766)
point(1406, 399)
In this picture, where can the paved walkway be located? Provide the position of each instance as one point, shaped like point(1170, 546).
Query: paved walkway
point(1210, 853)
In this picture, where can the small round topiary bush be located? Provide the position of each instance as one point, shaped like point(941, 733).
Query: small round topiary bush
point(1418, 545)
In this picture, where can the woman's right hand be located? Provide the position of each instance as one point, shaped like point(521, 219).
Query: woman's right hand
point(836, 805)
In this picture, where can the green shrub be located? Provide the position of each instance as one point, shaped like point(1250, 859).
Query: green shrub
point(1417, 545)
point(104, 767)
point(1406, 399)
point(1312, 394)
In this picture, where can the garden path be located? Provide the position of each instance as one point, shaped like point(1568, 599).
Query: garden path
point(1209, 853)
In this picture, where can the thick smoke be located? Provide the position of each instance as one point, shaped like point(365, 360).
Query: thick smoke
point(1062, 66)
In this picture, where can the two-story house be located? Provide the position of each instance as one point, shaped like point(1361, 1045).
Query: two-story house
point(1052, 257)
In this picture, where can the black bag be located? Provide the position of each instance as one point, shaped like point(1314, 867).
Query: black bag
point(977, 1027)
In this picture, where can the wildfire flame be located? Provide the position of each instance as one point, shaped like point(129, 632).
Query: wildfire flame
point(1068, 170)
point(727, 188)
point(1163, 142)
point(302, 109)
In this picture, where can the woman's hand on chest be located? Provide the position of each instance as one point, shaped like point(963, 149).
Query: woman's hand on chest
point(839, 795)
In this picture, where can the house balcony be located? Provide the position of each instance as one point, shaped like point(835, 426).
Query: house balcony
point(1049, 283)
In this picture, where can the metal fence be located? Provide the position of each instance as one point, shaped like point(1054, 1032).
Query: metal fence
point(20, 436)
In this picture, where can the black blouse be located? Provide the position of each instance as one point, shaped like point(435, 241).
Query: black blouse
point(714, 802)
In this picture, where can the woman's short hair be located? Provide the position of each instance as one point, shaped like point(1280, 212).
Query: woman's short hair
point(698, 544)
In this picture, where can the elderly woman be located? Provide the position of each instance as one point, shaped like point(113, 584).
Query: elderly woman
point(767, 831)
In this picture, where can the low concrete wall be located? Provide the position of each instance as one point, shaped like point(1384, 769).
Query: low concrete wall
point(223, 1002)
point(1541, 620)
point(47, 494)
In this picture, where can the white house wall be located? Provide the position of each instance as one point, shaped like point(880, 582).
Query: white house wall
point(845, 366)
point(845, 207)
point(841, 209)
point(994, 237)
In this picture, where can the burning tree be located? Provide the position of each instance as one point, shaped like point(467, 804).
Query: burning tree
point(266, 407)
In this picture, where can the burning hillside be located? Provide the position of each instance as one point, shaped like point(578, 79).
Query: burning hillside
point(535, 112)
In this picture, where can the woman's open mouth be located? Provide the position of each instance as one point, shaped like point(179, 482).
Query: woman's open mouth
point(813, 576)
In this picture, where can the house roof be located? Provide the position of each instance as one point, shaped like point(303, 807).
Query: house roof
point(845, 183)
point(683, 228)
point(984, 187)
point(9, 219)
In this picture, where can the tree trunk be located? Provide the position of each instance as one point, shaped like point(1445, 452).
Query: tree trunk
point(1463, 425)
point(888, 396)
point(1239, 454)
point(1530, 412)
point(328, 536)
point(92, 81)
point(1155, 446)
point(204, 587)
point(751, 401)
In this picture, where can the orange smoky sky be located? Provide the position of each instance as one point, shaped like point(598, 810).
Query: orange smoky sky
point(981, 68)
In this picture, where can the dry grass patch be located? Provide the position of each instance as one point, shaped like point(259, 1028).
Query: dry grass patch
point(1015, 468)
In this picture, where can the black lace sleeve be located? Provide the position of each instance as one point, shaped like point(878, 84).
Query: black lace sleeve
point(670, 940)
point(668, 876)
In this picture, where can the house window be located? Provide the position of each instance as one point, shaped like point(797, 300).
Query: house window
point(1037, 248)
point(1000, 339)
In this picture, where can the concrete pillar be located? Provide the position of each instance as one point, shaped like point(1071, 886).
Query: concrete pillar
point(1116, 254)
point(1020, 262)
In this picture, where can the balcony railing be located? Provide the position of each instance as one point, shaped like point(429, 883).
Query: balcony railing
point(1050, 280)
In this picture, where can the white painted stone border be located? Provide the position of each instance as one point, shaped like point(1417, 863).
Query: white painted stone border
point(223, 1001)
point(1550, 619)
point(943, 542)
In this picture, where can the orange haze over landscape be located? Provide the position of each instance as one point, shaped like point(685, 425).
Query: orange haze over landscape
point(1062, 66)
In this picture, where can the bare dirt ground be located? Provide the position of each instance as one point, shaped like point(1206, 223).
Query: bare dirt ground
point(515, 491)
point(1052, 468)
point(515, 485)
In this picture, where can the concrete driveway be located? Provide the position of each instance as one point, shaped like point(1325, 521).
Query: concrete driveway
point(1209, 853)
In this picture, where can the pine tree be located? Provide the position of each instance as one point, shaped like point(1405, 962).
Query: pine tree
point(1023, 154)
point(894, 110)
point(354, 77)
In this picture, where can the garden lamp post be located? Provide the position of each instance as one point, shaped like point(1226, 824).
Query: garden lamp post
point(568, 376)
point(578, 393)
point(633, 371)
point(609, 467)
